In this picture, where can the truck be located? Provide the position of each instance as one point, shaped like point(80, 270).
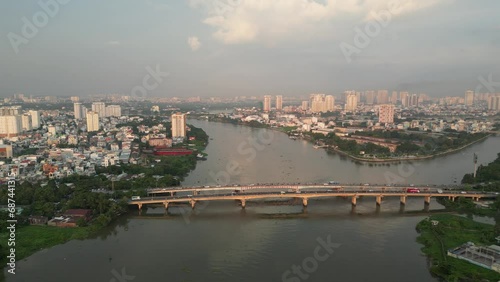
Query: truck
point(134, 198)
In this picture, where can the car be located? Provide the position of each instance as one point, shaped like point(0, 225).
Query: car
point(298, 192)
point(440, 191)
point(463, 192)
point(282, 192)
point(366, 184)
point(329, 190)
point(136, 198)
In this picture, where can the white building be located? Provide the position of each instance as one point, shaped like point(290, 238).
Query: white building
point(179, 125)
point(279, 102)
point(10, 125)
point(469, 98)
point(78, 110)
point(35, 118)
point(92, 121)
point(99, 108)
point(267, 103)
point(26, 122)
point(351, 103)
point(113, 111)
point(330, 103)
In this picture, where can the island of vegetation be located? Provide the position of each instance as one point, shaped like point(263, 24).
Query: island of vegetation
point(105, 194)
point(440, 233)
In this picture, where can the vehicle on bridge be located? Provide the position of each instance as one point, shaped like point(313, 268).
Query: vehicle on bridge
point(134, 198)
point(412, 190)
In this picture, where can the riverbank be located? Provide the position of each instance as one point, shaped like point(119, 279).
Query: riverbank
point(450, 232)
point(408, 159)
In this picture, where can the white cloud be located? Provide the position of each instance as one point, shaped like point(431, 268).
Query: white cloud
point(271, 21)
point(194, 43)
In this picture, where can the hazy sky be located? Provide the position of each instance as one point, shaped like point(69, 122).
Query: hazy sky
point(247, 47)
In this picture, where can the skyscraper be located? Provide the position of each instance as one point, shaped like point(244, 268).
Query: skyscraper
point(469, 98)
point(113, 111)
point(382, 97)
point(279, 102)
point(78, 110)
point(370, 97)
point(99, 108)
point(394, 97)
point(35, 118)
point(330, 103)
point(92, 121)
point(26, 121)
point(351, 103)
point(318, 103)
point(267, 103)
point(386, 113)
point(179, 125)
point(494, 103)
point(404, 99)
point(10, 125)
point(305, 105)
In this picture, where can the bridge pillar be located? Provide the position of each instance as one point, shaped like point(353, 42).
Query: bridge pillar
point(353, 200)
point(166, 206)
point(243, 203)
point(453, 199)
point(427, 200)
point(195, 192)
point(139, 206)
point(304, 202)
point(379, 200)
point(403, 200)
point(193, 203)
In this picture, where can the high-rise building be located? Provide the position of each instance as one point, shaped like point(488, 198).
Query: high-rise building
point(413, 100)
point(370, 97)
point(179, 125)
point(35, 118)
point(99, 108)
point(405, 101)
point(494, 103)
point(267, 103)
point(10, 111)
point(382, 97)
point(113, 111)
point(279, 102)
point(386, 113)
point(351, 103)
point(92, 121)
point(330, 103)
point(469, 98)
point(394, 97)
point(26, 122)
point(75, 99)
point(305, 105)
point(10, 125)
point(78, 110)
point(318, 103)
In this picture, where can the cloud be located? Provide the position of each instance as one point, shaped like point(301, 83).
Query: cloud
point(113, 42)
point(272, 21)
point(194, 43)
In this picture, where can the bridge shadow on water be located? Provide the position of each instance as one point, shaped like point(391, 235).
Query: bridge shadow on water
point(291, 209)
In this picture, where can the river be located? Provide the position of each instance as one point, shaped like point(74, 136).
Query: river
point(329, 240)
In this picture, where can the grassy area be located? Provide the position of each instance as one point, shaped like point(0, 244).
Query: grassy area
point(453, 231)
point(31, 239)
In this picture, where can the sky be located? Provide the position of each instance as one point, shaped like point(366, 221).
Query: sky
point(184, 48)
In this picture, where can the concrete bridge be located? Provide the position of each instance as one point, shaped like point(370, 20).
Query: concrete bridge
point(297, 187)
point(304, 196)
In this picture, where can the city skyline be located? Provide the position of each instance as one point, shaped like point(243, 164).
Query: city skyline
point(209, 57)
